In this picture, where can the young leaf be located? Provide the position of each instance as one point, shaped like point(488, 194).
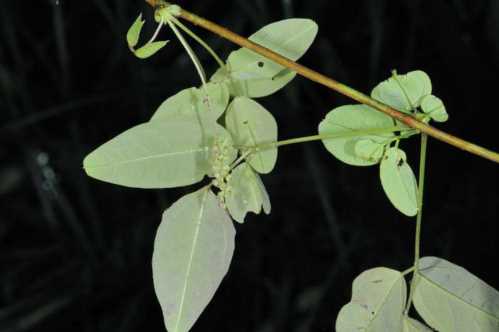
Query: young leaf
point(412, 325)
point(192, 253)
point(133, 34)
point(250, 124)
point(246, 194)
point(403, 92)
point(353, 123)
point(209, 101)
point(399, 182)
point(150, 49)
point(377, 304)
point(369, 149)
point(161, 154)
point(256, 76)
point(254, 88)
point(434, 107)
point(449, 298)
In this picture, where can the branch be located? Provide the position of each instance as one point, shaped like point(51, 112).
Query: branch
point(333, 84)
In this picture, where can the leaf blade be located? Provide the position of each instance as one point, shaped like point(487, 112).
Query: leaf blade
point(449, 298)
point(399, 182)
point(403, 92)
point(246, 194)
point(347, 120)
point(251, 124)
point(155, 155)
point(377, 304)
point(253, 75)
point(192, 253)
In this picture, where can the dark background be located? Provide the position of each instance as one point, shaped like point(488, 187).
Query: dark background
point(75, 253)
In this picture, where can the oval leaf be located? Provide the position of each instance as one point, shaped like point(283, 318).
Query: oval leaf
point(133, 33)
point(254, 88)
point(246, 193)
point(192, 253)
point(449, 298)
point(348, 125)
point(403, 92)
point(250, 124)
point(377, 304)
point(150, 49)
point(155, 155)
point(399, 182)
point(256, 76)
point(434, 107)
point(210, 101)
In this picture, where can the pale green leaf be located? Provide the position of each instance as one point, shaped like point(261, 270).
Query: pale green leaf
point(412, 325)
point(369, 149)
point(399, 182)
point(192, 253)
point(133, 33)
point(208, 101)
point(150, 49)
point(246, 193)
point(377, 304)
point(403, 92)
point(449, 298)
point(254, 88)
point(346, 126)
point(160, 154)
point(434, 107)
point(250, 124)
point(254, 75)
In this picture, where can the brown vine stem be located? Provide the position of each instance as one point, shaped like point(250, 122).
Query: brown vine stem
point(333, 84)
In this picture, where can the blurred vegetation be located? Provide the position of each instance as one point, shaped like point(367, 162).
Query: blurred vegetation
point(75, 254)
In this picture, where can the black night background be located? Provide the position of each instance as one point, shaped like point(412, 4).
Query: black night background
point(75, 253)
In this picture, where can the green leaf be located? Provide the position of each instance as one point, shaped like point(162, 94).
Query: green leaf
point(412, 325)
point(192, 253)
point(369, 149)
point(161, 154)
point(353, 123)
point(246, 194)
point(150, 49)
point(434, 107)
point(254, 88)
point(133, 34)
point(254, 75)
point(209, 101)
point(250, 124)
point(399, 182)
point(403, 92)
point(449, 298)
point(377, 304)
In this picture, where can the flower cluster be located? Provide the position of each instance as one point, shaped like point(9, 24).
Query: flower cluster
point(220, 163)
